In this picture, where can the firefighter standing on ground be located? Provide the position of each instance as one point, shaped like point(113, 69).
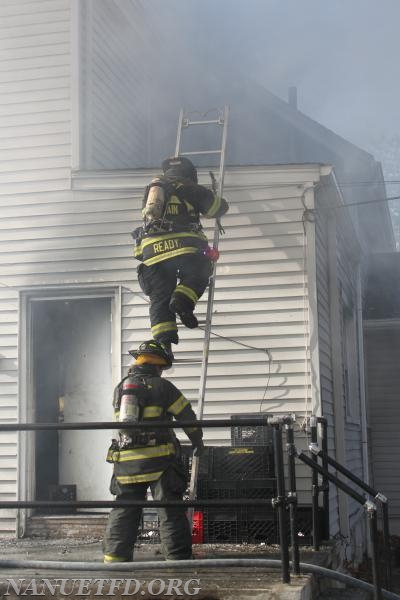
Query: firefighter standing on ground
point(172, 246)
point(144, 458)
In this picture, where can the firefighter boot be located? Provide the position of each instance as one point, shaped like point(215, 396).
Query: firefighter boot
point(168, 351)
point(184, 312)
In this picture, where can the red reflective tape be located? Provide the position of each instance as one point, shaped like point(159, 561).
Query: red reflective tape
point(130, 386)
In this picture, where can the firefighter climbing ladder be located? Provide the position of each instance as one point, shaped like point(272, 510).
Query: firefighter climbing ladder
point(222, 122)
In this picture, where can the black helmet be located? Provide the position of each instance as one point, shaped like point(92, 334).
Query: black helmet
point(154, 348)
point(179, 166)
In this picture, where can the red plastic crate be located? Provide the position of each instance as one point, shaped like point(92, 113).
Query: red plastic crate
point(198, 527)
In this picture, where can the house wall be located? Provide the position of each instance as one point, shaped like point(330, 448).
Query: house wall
point(35, 112)
point(35, 158)
point(52, 236)
point(259, 296)
point(325, 344)
point(353, 441)
point(115, 48)
point(82, 237)
point(382, 343)
point(338, 255)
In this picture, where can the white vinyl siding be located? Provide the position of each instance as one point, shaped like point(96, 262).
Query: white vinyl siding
point(325, 345)
point(35, 110)
point(382, 346)
point(352, 427)
point(8, 404)
point(114, 60)
point(35, 158)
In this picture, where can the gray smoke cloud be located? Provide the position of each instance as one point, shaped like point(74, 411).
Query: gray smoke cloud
point(342, 56)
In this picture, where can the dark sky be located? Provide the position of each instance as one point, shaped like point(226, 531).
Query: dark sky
point(343, 55)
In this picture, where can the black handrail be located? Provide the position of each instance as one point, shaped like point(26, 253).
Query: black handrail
point(383, 502)
point(325, 482)
point(292, 498)
point(251, 421)
point(280, 502)
point(263, 420)
point(315, 487)
point(371, 513)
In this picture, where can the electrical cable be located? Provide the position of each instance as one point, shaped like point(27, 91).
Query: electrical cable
point(266, 387)
point(377, 201)
point(224, 337)
point(249, 347)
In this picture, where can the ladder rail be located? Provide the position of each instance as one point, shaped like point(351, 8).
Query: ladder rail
point(222, 121)
point(179, 133)
point(211, 288)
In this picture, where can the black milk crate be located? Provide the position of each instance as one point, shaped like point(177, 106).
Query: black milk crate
point(221, 525)
point(228, 489)
point(250, 435)
point(240, 463)
point(259, 524)
point(149, 530)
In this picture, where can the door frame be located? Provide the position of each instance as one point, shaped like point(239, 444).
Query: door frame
point(25, 442)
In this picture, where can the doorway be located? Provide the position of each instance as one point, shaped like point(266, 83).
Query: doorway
point(71, 341)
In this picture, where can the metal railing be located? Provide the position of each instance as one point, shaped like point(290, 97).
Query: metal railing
point(368, 504)
point(327, 460)
point(283, 501)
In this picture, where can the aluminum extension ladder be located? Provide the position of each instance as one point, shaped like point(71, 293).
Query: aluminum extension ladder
point(220, 121)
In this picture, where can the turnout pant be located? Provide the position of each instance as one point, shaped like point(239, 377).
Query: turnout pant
point(184, 277)
point(123, 523)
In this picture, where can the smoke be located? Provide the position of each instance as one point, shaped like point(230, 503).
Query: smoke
point(342, 56)
point(162, 56)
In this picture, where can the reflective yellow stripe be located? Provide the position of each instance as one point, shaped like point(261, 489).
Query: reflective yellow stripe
point(125, 479)
point(146, 452)
point(116, 415)
point(187, 291)
point(163, 327)
point(214, 208)
point(112, 455)
point(172, 236)
point(178, 406)
point(109, 558)
point(152, 411)
point(170, 254)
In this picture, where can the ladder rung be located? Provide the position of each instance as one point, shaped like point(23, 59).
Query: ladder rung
point(194, 361)
point(201, 152)
point(186, 122)
point(181, 325)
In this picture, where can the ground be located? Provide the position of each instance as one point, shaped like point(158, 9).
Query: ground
point(221, 584)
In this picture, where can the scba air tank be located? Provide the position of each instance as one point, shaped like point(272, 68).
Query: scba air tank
point(129, 410)
point(155, 202)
